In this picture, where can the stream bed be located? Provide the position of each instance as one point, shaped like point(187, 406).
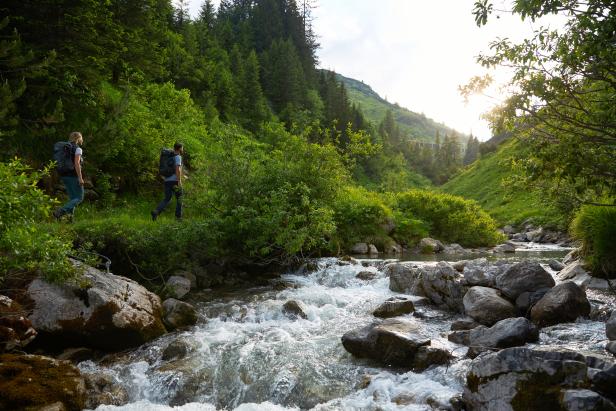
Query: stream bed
point(246, 354)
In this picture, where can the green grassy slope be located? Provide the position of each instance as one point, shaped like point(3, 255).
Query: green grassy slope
point(415, 126)
point(482, 181)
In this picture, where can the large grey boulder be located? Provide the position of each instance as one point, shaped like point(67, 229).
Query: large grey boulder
point(393, 342)
point(430, 245)
point(440, 283)
point(527, 300)
point(360, 248)
point(521, 277)
point(444, 286)
point(610, 326)
point(563, 303)
point(486, 306)
point(523, 379)
point(504, 248)
point(177, 287)
point(110, 313)
point(510, 332)
point(405, 278)
point(556, 265)
point(178, 314)
point(576, 273)
point(394, 307)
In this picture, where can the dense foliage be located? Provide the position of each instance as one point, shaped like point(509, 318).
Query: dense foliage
point(450, 218)
point(564, 88)
point(595, 227)
point(25, 246)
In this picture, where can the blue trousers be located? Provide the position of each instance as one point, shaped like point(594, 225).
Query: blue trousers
point(75, 194)
point(171, 188)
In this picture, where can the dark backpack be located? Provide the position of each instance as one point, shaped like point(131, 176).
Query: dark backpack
point(64, 155)
point(166, 166)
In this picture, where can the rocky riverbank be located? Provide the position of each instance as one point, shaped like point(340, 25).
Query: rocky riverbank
point(476, 317)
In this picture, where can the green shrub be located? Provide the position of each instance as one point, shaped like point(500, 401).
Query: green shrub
point(595, 227)
point(360, 215)
point(26, 246)
point(450, 218)
point(147, 251)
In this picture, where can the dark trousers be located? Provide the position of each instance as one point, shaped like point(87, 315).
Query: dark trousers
point(75, 194)
point(171, 188)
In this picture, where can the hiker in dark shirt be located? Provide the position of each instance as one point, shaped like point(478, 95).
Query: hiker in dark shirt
point(72, 177)
point(173, 185)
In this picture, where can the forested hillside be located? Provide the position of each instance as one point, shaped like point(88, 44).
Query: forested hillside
point(412, 125)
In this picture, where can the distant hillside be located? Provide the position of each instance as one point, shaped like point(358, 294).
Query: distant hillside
point(482, 181)
point(415, 126)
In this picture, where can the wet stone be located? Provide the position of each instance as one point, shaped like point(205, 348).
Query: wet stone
point(366, 275)
point(464, 324)
point(394, 307)
point(294, 308)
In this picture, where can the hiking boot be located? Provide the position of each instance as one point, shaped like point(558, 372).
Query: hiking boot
point(58, 213)
point(154, 215)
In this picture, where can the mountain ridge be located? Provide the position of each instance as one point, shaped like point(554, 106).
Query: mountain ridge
point(414, 126)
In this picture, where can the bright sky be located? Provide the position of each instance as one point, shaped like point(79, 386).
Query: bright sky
point(414, 52)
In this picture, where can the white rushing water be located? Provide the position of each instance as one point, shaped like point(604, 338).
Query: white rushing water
point(246, 354)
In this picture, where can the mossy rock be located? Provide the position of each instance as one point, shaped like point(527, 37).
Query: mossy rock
point(29, 382)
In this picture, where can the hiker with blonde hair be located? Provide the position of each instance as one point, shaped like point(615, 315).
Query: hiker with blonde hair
point(69, 159)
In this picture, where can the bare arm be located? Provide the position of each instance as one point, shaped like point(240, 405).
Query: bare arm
point(178, 174)
point(78, 168)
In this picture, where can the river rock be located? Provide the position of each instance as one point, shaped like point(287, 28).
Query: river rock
point(535, 236)
point(510, 332)
point(110, 313)
point(523, 379)
point(430, 245)
point(428, 356)
point(444, 286)
point(453, 249)
point(523, 276)
point(576, 273)
point(474, 275)
point(366, 275)
point(189, 276)
point(459, 265)
point(294, 308)
point(571, 256)
point(104, 389)
point(178, 348)
point(393, 342)
point(177, 314)
point(405, 278)
point(486, 306)
point(556, 265)
point(177, 287)
point(611, 347)
point(462, 337)
point(464, 324)
point(610, 326)
point(15, 329)
point(394, 307)
point(508, 230)
point(585, 400)
point(527, 300)
point(504, 248)
point(372, 250)
point(563, 303)
point(521, 237)
point(360, 248)
point(33, 382)
point(603, 378)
